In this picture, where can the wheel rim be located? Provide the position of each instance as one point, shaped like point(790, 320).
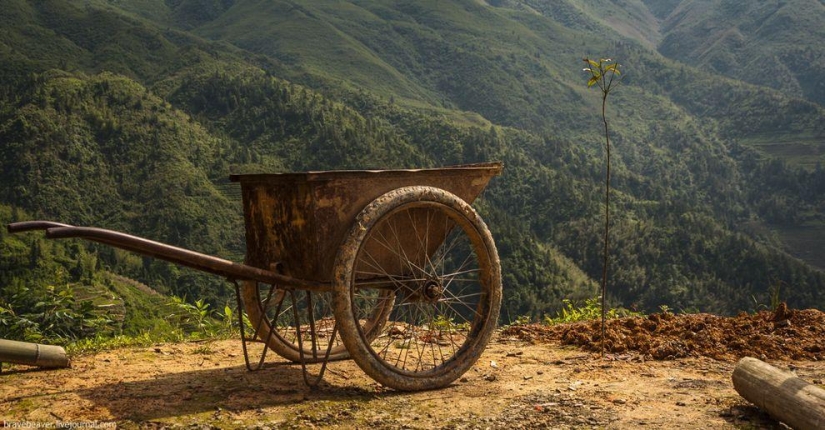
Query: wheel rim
point(432, 263)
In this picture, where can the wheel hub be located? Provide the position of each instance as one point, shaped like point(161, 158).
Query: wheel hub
point(432, 290)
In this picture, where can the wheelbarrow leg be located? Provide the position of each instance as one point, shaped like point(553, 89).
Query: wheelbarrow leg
point(310, 314)
point(271, 315)
point(244, 339)
point(312, 382)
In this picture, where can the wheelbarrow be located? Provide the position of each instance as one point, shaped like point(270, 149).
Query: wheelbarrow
point(392, 268)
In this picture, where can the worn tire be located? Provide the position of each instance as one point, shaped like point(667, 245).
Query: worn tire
point(427, 254)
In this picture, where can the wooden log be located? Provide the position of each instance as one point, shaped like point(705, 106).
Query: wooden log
point(781, 394)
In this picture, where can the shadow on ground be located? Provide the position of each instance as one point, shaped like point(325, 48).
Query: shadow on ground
point(232, 389)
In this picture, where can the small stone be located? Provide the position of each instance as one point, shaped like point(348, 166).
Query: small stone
point(619, 401)
point(681, 404)
point(490, 378)
point(464, 379)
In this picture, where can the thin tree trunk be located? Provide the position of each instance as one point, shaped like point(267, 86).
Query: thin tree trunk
point(606, 221)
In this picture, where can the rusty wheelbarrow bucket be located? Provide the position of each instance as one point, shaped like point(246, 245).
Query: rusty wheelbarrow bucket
point(390, 267)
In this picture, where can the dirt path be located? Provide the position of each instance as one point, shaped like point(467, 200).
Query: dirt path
point(516, 384)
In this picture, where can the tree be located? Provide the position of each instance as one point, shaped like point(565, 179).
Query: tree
point(603, 74)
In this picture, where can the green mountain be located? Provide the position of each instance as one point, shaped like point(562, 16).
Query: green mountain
point(131, 115)
point(769, 43)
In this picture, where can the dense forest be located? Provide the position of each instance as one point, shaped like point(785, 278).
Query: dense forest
point(132, 115)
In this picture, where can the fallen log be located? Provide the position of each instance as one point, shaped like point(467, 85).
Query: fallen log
point(32, 354)
point(781, 394)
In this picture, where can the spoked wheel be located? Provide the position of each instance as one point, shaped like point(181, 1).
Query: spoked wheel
point(427, 255)
point(272, 313)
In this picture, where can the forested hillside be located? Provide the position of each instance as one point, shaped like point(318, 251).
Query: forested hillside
point(131, 115)
point(769, 43)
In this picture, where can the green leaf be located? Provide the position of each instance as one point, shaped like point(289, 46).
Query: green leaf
point(610, 67)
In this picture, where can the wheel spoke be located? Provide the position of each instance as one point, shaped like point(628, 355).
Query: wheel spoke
point(423, 328)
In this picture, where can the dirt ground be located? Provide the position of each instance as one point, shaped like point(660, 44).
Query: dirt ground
point(663, 371)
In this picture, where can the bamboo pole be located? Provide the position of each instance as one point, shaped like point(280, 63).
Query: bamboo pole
point(781, 394)
point(32, 354)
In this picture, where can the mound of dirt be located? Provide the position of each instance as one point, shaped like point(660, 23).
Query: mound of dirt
point(783, 334)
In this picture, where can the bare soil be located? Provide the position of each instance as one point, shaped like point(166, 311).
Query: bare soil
point(660, 371)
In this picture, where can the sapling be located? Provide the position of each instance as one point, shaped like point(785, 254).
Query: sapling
point(604, 74)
